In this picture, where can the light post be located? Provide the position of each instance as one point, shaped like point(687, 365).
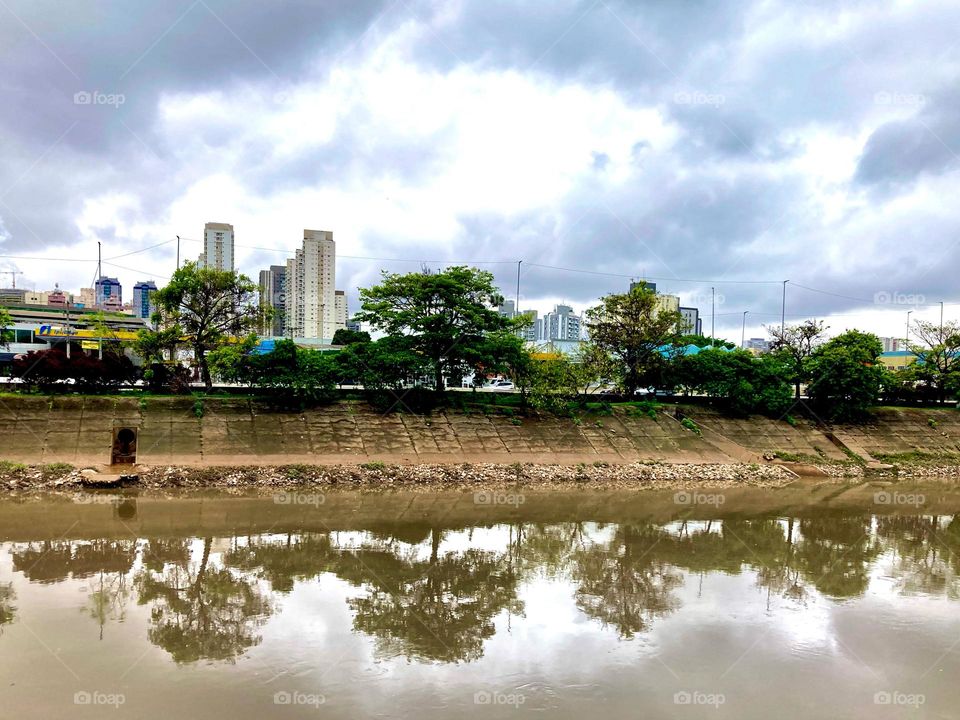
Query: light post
point(906, 338)
point(743, 330)
point(713, 312)
point(783, 308)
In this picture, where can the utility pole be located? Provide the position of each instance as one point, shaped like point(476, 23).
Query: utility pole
point(713, 312)
point(99, 270)
point(743, 330)
point(941, 321)
point(906, 338)
point(178, 252)
point(516, 308)
point(783, 308)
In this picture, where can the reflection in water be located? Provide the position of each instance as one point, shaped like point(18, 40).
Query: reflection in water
point(199, 611)
point(434, 595)
point(7, 610)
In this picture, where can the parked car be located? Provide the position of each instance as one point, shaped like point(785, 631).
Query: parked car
point(499, 385)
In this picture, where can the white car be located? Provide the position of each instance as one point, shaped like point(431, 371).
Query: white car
point(499, 385)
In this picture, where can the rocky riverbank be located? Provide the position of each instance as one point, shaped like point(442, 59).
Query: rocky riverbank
point(373, 475)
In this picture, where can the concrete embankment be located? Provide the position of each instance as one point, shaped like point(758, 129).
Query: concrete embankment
point(183, 432)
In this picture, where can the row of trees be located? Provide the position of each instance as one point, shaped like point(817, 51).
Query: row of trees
point(435, 328)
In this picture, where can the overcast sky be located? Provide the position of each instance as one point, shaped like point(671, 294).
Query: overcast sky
point(698, 143)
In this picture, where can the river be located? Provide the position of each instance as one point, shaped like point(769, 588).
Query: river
point(811, 601)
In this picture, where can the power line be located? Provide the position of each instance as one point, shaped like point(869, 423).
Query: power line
point(143, 249)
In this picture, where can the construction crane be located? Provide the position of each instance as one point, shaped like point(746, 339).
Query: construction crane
point(13, 276)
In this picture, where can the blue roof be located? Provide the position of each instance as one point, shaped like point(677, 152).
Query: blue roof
point(265, 346)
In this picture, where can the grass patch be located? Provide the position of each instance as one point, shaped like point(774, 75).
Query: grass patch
point(918, 456)
point(691, 426)
point(12, 467)
point(374, 465)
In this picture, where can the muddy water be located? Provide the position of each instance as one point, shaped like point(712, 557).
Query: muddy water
point(805, 602)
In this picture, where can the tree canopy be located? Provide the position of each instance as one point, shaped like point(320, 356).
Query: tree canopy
point(636, 331)
point(445, 315)
point(207, 306)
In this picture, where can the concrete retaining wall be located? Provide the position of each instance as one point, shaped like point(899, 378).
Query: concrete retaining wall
point(79, 430)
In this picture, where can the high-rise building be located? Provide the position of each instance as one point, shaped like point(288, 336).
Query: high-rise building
point(692, 323)
point(217, 246)
point(529, 333)
point(273, 294)
point(561, 323)
point(508, 308)
point(651, 286)
point(340, 308)
point(311, 295)
point(88, 297)
point(109, 294)
point(892, 344)
point(143, 304)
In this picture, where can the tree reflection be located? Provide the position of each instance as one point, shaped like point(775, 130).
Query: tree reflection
point(199, 611)
point(437, 608)
point(927, 553)
point(624, 583)
point(835, 554)
point(50, 561)
point(297, 558)
point(7, 610)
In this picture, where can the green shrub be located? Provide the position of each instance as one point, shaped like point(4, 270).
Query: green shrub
point(691, 426)
point(374, 465)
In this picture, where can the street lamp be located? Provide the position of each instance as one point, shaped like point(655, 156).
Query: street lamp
point(906, 338)
point(743, 330)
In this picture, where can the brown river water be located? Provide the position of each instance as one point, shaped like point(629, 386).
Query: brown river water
point(812, 601)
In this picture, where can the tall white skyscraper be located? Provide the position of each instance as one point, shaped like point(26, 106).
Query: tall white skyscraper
point(312, 307)
point(217, 246)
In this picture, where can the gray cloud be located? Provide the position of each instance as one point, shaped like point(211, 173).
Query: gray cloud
point(746, 87)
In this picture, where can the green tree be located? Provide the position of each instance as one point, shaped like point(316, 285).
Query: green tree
point(795, 344)
point(634, 330)
point(445, 315)
point(344, 336)
point(387, 364)
point(291, 376)
point(5, 322)
point(209, 306)
point(738, 381)
point(936, 352)
point(846, 375)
